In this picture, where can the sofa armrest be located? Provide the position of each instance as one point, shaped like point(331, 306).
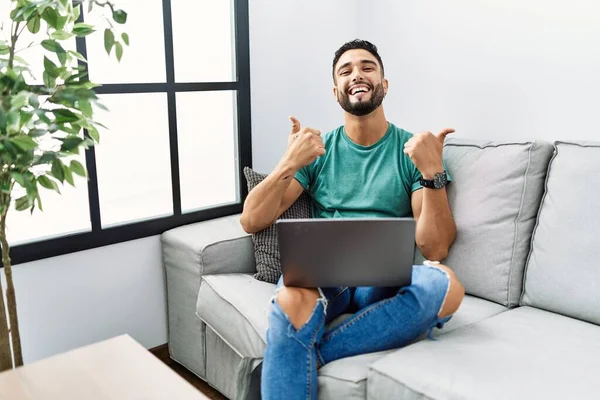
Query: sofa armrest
point(218, 246)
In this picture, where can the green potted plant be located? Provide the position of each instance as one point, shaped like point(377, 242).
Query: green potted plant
point(43, 124)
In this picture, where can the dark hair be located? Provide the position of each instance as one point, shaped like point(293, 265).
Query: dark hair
point(353, 45)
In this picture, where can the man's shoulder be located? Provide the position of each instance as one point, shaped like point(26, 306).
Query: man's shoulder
point(333, 134)
point(401, 134)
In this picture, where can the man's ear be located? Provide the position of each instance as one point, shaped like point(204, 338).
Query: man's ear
point(385, 85)
point(335, 93)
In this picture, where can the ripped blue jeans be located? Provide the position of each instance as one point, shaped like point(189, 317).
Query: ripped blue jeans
point(383, 318)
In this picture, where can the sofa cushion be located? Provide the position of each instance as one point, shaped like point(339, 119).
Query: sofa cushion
point(223, 305)
point(563, 271)
point(524, 353)
point(494, 196)
point(471, 310)
point(266, 247)
point(347, 378)
point(236, 307)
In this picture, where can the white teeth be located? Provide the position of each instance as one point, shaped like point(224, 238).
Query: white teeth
point(356, 89)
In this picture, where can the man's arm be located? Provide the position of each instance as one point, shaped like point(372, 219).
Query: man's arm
point(436, 229)
point(269, 199)
point(278, 191)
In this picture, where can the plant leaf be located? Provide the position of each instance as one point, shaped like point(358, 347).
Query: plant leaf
point(119, 50)
point(2, 120)
point(109, 40)
point(49, 81)
point(94, 134)
point(77, 168)
point(68, 175)
point(76, 12)
point(13, 121)
point(34, 24)
point(125, 38)
point(62, 57)
point(70, 143)
point(61, 35)
point(46, 158)
point(61, 22)
point(120, 16)
point(78, 56)
point(39, 203)
point(64, 115)
point(57, 170)
point(50, 68)
point(37, 132)
point(82, 29)
point(51, 17)
point(52, 45)
point(24, 142)
point(19, 178)
point(48, 183)
point(22, 203)
point(86, 108)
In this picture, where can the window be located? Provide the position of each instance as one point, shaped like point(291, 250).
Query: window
point(177, 137)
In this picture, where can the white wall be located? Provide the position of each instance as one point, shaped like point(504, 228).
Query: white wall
point(490, 68)
point(291, 50)
point(72, 300)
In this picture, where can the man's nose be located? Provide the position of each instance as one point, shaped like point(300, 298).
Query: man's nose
point(356, 75)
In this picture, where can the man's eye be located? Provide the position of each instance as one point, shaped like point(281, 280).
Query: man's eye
point(368, 69)
point(344, 73)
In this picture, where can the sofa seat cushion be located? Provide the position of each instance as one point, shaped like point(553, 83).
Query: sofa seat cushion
point(347, 378)
point(525, 353)
point(236, 307)
point(471, 310)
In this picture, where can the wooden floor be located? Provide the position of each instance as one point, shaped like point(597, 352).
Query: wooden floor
point(162, 353)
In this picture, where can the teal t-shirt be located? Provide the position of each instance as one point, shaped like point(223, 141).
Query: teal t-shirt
point(354, 181)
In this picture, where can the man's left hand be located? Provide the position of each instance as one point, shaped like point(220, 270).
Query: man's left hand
point(425, 151)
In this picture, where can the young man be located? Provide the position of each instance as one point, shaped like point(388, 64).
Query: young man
point(366, 168)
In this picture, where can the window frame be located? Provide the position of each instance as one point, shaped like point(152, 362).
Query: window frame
point(98, 236)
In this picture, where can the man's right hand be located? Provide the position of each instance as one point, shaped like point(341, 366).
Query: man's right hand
point(304, 146)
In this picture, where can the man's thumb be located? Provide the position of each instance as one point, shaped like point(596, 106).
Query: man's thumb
point(442, 135)
point(295, 125)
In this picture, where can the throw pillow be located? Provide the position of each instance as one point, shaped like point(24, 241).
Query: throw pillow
point(266, 247)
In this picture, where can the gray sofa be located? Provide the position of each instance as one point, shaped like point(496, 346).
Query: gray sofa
point(527, 251)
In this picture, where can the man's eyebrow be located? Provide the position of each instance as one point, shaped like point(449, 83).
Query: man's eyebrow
point(364, 61)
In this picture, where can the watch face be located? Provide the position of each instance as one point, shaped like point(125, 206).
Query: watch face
point(439, 181)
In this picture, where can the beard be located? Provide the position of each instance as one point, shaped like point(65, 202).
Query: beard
point(361, 108)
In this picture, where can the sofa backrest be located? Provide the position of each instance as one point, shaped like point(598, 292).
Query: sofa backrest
point(563, 270)
point(495, 194)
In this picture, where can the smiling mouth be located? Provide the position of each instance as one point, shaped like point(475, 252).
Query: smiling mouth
point(356, 89)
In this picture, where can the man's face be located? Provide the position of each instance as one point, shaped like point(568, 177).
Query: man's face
point(359, 84)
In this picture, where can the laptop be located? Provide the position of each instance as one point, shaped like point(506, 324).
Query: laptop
point(346, 252)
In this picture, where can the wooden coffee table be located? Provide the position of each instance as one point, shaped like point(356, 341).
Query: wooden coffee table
point(119, 368)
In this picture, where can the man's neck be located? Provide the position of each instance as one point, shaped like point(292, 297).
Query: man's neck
point(368, 129)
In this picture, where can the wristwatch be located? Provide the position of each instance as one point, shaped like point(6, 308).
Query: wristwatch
point(439, 181)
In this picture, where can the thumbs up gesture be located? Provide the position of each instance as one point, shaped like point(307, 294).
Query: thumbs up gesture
point(425, 151)
point(304, 145)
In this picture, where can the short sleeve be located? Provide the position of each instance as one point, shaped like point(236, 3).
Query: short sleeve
point(303, 176)
point(415, 178)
